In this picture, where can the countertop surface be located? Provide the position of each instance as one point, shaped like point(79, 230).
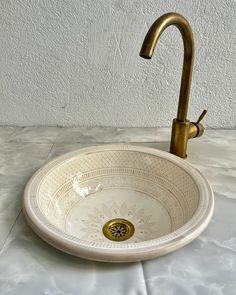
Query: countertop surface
point(28, 265)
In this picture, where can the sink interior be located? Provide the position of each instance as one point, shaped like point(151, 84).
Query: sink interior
point(132, 196)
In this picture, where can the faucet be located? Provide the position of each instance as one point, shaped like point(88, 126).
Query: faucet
point(182, 128)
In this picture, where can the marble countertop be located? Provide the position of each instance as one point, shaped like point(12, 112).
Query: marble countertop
point(28, 265)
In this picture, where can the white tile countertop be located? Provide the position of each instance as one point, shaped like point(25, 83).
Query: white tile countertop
point(28, 265)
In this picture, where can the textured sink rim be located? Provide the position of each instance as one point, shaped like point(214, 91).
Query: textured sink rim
point(119, 252)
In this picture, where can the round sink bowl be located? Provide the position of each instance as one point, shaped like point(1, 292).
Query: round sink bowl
point(118, 203)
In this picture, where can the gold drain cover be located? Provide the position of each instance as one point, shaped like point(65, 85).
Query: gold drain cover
point(118, 229)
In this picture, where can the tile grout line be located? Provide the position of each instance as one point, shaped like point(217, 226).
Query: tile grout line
point(146, 286)
point(18, 215)
point(9, 135)
point(14, 223)
point(48, 155)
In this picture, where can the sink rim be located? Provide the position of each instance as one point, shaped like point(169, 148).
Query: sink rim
point(125, 251)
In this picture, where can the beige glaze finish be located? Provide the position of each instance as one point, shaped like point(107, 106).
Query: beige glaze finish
point(69, 200)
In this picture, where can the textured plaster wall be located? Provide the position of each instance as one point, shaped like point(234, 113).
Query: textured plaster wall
point(76, 62)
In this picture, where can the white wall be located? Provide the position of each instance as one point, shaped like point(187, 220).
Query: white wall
point(76, 62)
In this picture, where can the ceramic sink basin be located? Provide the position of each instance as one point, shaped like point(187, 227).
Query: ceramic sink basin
point(118, 203)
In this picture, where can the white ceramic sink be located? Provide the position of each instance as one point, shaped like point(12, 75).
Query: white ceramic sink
point(118, 203)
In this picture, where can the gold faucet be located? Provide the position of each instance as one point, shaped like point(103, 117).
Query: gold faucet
point(182, 128)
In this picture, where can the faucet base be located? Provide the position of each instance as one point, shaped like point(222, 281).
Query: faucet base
point(179, 138)
point(182, 131)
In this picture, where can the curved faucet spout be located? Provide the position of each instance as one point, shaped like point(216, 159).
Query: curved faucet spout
point(149, 44)
point(182, 129)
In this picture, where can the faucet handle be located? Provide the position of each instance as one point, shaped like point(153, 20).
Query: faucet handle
point(201, 116)
point(196, 128)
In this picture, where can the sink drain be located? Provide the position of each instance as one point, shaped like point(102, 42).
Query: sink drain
point(118, 229)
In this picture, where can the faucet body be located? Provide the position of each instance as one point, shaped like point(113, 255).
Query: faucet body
point(182, 128)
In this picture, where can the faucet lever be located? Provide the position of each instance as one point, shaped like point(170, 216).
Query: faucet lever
point(196, 129)
point(201, 116)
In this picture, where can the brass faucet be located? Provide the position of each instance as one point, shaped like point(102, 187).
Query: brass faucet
point(182, 128)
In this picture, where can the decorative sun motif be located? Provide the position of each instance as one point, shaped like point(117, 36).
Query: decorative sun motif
point(93, 225)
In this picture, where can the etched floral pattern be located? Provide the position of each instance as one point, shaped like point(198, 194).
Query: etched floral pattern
point(145, 228)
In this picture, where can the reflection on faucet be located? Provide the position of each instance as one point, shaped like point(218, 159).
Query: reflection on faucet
point(182, 128)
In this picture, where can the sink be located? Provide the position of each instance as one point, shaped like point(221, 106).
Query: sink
point(118, 203)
